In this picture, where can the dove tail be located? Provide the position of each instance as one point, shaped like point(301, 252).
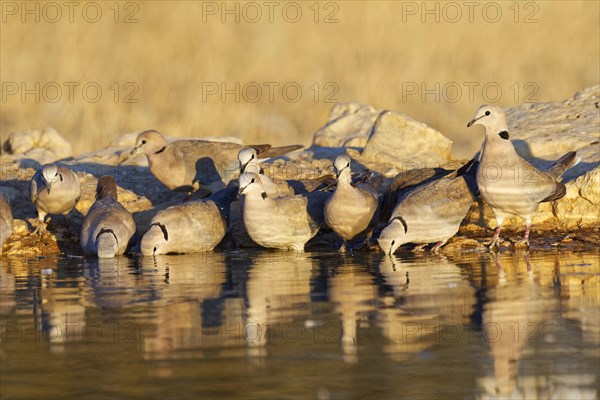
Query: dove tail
point(562, 164)
point(470, 168)
point(107, 243)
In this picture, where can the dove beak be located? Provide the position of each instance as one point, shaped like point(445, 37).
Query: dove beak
point(471, 122)
point(127, 156)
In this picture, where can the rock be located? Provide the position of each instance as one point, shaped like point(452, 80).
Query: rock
point(542, 132)
point(348, 125)
point(385, 141)
point(400, 141)
point(44, 147)
point(396, 143)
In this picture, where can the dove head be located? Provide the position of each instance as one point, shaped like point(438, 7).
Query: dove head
point(491, 117)
point(393, 235)
point(247, 157)
point(250, 183)
point(156, 240)
point(342, 166)
point(149, 142)
point(49, 173)
point(106, 187)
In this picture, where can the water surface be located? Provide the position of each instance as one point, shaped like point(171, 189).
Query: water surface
point(262, 324)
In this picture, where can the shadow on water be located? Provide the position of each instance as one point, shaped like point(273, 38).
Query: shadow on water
point(302, 325)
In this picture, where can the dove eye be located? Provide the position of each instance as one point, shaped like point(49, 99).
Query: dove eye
point(143, 142)
point(252, 158)
point(252, 181)
point(487, 113)
point(347, 165)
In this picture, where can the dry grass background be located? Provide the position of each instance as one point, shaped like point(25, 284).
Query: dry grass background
point(370, 53)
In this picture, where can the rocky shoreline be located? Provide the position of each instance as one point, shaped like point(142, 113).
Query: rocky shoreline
point(387, 142)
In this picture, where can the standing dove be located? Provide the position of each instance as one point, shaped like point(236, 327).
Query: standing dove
point(53, 190)
point(108, 226)
point(188, 165)
point(283, 222)
point(193, 227)
point(431, 213)
point(350, 210)
point(6, 221)
point(509, 184)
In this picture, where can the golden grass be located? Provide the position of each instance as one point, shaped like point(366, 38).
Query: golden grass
point(371, 54)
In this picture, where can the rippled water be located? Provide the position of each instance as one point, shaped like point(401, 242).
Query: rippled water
point(318, 325)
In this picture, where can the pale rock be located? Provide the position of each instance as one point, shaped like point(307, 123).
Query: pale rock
point(543, 132)
point(44, 147)
point(20, 227)
point(399, 140)
point(348, 125)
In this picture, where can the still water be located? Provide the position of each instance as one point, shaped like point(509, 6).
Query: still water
point(260, 324)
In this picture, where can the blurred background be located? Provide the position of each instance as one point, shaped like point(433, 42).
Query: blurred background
point(271, 71)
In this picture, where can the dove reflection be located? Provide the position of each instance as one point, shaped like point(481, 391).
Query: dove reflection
point(277, 297)
point(430, 303)
point(354, 294)
point(181, 287)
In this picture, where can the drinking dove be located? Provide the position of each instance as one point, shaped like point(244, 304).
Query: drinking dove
point(350, 210)
point(53, 190)
point(108, 226)
point(188, 165)
point(431, 213)
point(509, 184)
point(283, 222)
point(6, 221)
point(193, 227)
point(403, 183)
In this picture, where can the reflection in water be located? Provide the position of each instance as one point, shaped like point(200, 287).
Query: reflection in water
point(179, 288)
point(430, 304)
point(354, 294)
point(517, 318)
point(302, 326)
point(277, 295)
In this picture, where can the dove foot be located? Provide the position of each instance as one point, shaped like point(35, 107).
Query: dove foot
point(420, 248)
point(494, 244)
point(437, 247)
point(39, 227)
point(522, 243)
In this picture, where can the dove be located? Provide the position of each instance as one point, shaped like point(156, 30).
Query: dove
point(280, 222)
point(6, 221)
point(509, 184)
point(249, 162)
point(108, 226)
point(431, 213)
point(196, 226)
point(350, 210)
point(53, 190)
point(189, 165)
point(403, 183)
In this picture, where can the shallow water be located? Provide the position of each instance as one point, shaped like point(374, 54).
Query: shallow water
point(287, 326)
